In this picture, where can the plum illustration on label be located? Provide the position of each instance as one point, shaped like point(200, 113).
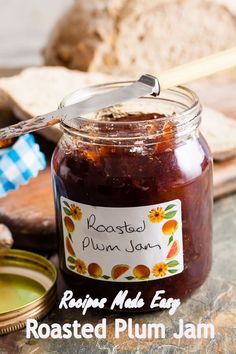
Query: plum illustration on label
point(123, 244)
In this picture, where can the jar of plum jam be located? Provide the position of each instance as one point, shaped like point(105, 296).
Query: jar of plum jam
point(133, 196)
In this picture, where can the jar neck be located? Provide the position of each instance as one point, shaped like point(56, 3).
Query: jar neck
point(128, 134)
point(173, 115)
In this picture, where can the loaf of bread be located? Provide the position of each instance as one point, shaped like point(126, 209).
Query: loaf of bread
point(140, 36)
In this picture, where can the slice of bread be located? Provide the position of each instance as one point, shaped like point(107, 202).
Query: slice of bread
point(140, 36)
point(40, 90)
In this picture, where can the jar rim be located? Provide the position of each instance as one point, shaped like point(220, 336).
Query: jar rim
point(193, 109)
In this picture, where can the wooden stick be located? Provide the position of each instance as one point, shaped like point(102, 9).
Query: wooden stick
point(198, 69)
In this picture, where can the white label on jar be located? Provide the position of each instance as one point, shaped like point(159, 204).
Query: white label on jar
point(123, 244)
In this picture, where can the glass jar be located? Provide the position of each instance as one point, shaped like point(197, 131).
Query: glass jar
point(133, 196)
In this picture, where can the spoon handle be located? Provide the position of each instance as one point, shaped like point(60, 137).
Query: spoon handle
point(27, 126)
point(198, 69)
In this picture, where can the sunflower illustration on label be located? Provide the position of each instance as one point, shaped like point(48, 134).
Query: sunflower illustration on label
point(135, 244)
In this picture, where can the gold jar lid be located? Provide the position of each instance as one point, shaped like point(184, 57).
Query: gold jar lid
point(27, 286)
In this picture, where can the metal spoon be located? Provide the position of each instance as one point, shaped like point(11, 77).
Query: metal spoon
point(147, 84)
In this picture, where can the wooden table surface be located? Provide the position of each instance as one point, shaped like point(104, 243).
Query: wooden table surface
point(213, 303)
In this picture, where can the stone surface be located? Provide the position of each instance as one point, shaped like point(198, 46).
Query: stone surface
point(213, 303)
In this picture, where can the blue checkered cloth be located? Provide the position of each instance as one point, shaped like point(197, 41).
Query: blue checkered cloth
point(20, 162)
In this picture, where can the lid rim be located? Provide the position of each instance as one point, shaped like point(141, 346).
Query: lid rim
point(16, 319)
point(11, 327)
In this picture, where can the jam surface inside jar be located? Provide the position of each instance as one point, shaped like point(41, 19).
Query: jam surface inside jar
point(146, 159)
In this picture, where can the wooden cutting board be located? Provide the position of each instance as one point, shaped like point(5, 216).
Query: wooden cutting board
point(224, 178)
point(29, 213)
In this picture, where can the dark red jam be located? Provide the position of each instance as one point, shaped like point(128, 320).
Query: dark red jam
point(110, 175)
